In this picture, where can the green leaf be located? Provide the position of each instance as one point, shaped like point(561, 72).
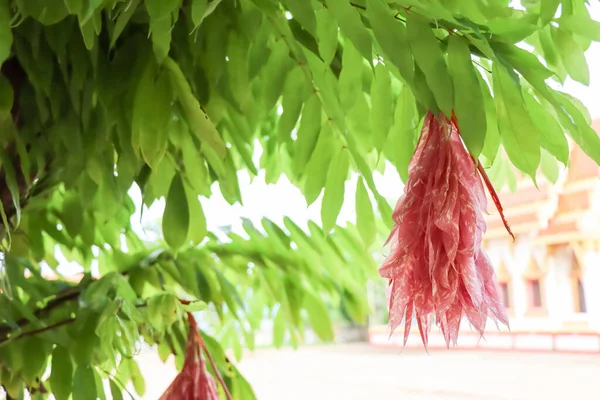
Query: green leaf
point(350, 80)
point(84, 383)
point(350, 24)
point(303, 12)
point(548, 10)
point(316, 169)
point(518, 132)
point(123, 20)
point(365, 218)
point(549, 166)
point(195, 306)
point(61, 376)
point(382, 106)
point(308, 133)
point(197, 119)
point(391, 36)
point(552, 136)
point(197, 225)
point(176, 218)
point(152, 115)
point(469, 105)
point(198, 10)
point(318, 316)
point(581, 25)
point(333, 198)
point(295, 92)
point(402, 139)
point(139, 384)
point(492, 135)
point(6, 37)
point(428, 56)
point(579, 129)
point(572, 56)
point(11, 182)
point(327, 35)
point(115, 391)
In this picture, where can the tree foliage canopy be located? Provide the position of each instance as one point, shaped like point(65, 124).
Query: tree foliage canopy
point(175, 96)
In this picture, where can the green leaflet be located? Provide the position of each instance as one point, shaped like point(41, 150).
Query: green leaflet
point(549, 166)
point(197, 119)
point(402, 138)
point(115, 390)
point(122, 21)
point(365, 218)
point(327, 87)
point(139, 384)
point(428, 56)
point(492, 136)
point(13, 186)
point(333, 198)
point(317, 167)
point(327, 35)
point(582, 25)
point(6, 37)
point(579, 129)
point(198, 11)
point(176, 218)
point(295, 92)
point(548, 10)
point(308, 133)
point(303, 11)
point(163, 14)
point(197, 229)
point(350, 80)
point(572, 56)
point(391, 36)
point(551, 54)
point(519, 135)
point(553, 138)
point(162, 310)
point(84, 383)
point(350, 24)
point(469, 105)
point(382, 106)
point(318, 316)
point(152, 115)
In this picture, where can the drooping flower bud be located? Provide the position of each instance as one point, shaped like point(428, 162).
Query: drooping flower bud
point(436, 266)
point(194, 382)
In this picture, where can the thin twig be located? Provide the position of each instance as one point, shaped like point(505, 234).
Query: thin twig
point(214, 367)
point(37, 331)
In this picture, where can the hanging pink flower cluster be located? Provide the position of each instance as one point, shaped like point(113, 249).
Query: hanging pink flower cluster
point(436, 266)
point(194, 382)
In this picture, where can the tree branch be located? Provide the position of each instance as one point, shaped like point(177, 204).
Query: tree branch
point(37, 331)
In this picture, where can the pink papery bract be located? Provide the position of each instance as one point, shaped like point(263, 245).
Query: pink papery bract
point(436, 266)
point(194, 382)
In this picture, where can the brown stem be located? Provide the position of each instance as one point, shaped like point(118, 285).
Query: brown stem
point(488, 184)
point(214, 367)
point(38, 331)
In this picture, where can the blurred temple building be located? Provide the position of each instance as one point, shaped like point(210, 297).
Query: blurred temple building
point(550, 275)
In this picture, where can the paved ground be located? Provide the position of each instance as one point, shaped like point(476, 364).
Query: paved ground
point(356, 372)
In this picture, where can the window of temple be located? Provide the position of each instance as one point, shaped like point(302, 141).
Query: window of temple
point(505, 282)
point(505, 291)
point(534, 283)
point(535, 293)
point(579, 304)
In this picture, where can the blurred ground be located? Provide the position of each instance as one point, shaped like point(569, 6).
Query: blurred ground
point(353, 372)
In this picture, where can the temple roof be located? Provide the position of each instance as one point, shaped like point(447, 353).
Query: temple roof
point(553, 213)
